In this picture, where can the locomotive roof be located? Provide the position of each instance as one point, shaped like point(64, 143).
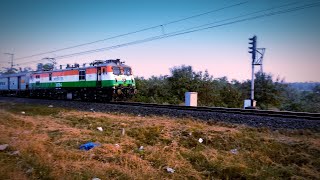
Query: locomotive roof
point(81, 68)
point(96, 63)
point(14, 74)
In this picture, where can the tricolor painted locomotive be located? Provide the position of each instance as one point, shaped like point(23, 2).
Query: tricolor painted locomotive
point(103, 80)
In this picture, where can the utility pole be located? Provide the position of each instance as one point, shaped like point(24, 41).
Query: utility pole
point(11, 62)
point(256, 61)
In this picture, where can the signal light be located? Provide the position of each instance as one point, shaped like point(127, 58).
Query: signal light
point(253, 48)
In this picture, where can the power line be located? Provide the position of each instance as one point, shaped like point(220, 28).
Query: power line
point(284, 5)
point(176, 34)
point(134, 32)
point(186, 32)
point(195, 27)
point(11, 61)
point(243, 15)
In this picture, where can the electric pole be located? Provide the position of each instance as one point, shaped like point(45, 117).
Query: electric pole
point(11, 62)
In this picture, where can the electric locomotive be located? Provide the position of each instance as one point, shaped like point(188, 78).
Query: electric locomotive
point(103, 80)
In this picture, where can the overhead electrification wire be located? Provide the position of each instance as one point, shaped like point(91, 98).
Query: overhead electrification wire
point(134, 32)
point(189, 31)
point(243, 15)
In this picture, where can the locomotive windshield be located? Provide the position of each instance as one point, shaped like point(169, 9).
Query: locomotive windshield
point(116, 71)
point(127, 71)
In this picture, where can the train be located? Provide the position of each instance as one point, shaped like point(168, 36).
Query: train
point(101, 80)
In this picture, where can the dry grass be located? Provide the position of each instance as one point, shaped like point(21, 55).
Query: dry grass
point(48, 140)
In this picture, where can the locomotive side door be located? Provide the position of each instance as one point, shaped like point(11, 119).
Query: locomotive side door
point(98, 76)
point(8, 83)
point(19, 82)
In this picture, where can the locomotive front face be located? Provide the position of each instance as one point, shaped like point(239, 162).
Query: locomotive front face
point(119, 78)
point(114, 76)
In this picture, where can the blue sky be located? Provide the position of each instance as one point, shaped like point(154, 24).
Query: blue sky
point(292, 40)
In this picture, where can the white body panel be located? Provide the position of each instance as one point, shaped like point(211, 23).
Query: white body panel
point(70, 78)
point(107, 76)
point(90, 77)
point(111, 76)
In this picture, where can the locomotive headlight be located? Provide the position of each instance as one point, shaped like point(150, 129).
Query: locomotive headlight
point(119, 92)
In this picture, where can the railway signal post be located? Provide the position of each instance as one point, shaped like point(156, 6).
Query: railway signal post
point(257, 58)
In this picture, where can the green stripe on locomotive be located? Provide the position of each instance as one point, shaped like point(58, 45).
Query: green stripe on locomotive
point(80, 84)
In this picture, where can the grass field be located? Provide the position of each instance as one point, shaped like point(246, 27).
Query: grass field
point(46, 144)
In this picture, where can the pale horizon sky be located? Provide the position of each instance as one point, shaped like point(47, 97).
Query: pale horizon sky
point(292, 40)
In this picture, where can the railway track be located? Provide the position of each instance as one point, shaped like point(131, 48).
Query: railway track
point(284, 114)
point(250, 117)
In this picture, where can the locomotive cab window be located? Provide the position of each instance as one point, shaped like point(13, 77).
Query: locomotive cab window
point(82, 75)
point(127, 71)
point(116, 71)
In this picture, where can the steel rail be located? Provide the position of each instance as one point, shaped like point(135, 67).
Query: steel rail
point(284, 114)
point(239, 111)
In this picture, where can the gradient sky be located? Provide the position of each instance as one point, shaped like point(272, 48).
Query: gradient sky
point(292, 40)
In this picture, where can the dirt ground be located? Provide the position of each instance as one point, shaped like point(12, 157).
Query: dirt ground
point(43, 143)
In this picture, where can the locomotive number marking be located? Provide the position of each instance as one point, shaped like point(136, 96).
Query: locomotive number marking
point(58, 84)
point(58, 78)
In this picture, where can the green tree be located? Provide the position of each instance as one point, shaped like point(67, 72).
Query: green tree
point(291, 100)
point(154, 90)
point(267, 92)
point(311, 100)
point(208, 93)
point(230, 96)
point(182, 80)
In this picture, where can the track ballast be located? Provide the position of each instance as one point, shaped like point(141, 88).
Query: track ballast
point(254, 118)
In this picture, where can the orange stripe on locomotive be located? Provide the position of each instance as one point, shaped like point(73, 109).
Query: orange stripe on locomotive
point(91, 71)
point(73, 72)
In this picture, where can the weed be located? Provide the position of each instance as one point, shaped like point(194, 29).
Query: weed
point(200, 162)
point(116, 173)
point(165, 141)
point(10, 120)
point(85, 173)
point(40, 170)
point(190, 142)
point(8, 164)
point(34, 110)
point(54, 135)
point(87, 122)
point(146, 135)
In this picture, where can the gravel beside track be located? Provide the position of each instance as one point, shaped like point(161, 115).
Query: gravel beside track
point(233, 118)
